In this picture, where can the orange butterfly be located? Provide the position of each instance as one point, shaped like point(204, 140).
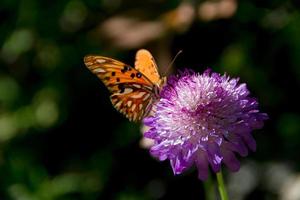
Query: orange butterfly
point(133, 89)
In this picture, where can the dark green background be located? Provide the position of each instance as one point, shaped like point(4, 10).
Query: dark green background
point(60, 138)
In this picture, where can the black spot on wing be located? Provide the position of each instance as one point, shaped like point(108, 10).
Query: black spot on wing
point(121, 88)
point(138, 75)
point(125, 69)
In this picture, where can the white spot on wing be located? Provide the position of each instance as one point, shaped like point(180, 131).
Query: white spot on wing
point(146, 97)
point(133, 107)
point(137, 85)
point(129, 103)
point(118, 104)
point(139, 95)
point(127, 90)
point(98, 70)
point(147, 87)
point(134, 116)
point(100, 61)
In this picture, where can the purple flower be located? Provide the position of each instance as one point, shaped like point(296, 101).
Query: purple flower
point(203, 120)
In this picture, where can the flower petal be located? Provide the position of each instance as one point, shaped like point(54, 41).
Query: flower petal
point(202, 166)
point(230, 160)
point(214, 156)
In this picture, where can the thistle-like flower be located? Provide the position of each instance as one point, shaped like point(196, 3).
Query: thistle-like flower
point(203, 120)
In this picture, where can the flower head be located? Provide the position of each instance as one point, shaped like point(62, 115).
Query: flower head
point(203, 120)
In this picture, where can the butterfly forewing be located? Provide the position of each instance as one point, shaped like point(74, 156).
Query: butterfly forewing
point(131, 91)
point(145, 63)
point(113, 72)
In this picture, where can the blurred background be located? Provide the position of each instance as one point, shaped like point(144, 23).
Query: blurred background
point(60, 138)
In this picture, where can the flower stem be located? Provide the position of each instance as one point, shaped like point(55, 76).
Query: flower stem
point(221, 186)
point(209, 188)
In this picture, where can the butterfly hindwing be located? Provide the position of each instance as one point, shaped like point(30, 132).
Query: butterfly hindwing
point(131, 91)
point(133, 102)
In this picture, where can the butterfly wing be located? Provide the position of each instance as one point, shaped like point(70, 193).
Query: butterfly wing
point(145, 63)
point(131, 91)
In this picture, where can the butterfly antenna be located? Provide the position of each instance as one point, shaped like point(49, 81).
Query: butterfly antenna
point(172, 62)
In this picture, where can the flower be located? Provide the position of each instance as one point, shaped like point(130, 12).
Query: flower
point(203, 120)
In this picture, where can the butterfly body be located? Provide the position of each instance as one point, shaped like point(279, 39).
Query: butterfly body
point(133, 89)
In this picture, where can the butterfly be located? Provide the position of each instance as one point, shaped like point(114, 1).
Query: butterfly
point(133, 89)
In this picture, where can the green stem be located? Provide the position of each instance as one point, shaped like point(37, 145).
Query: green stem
point(209, 188)
point(221, 186)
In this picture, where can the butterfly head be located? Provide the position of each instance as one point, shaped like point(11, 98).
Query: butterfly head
point(158, 86)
